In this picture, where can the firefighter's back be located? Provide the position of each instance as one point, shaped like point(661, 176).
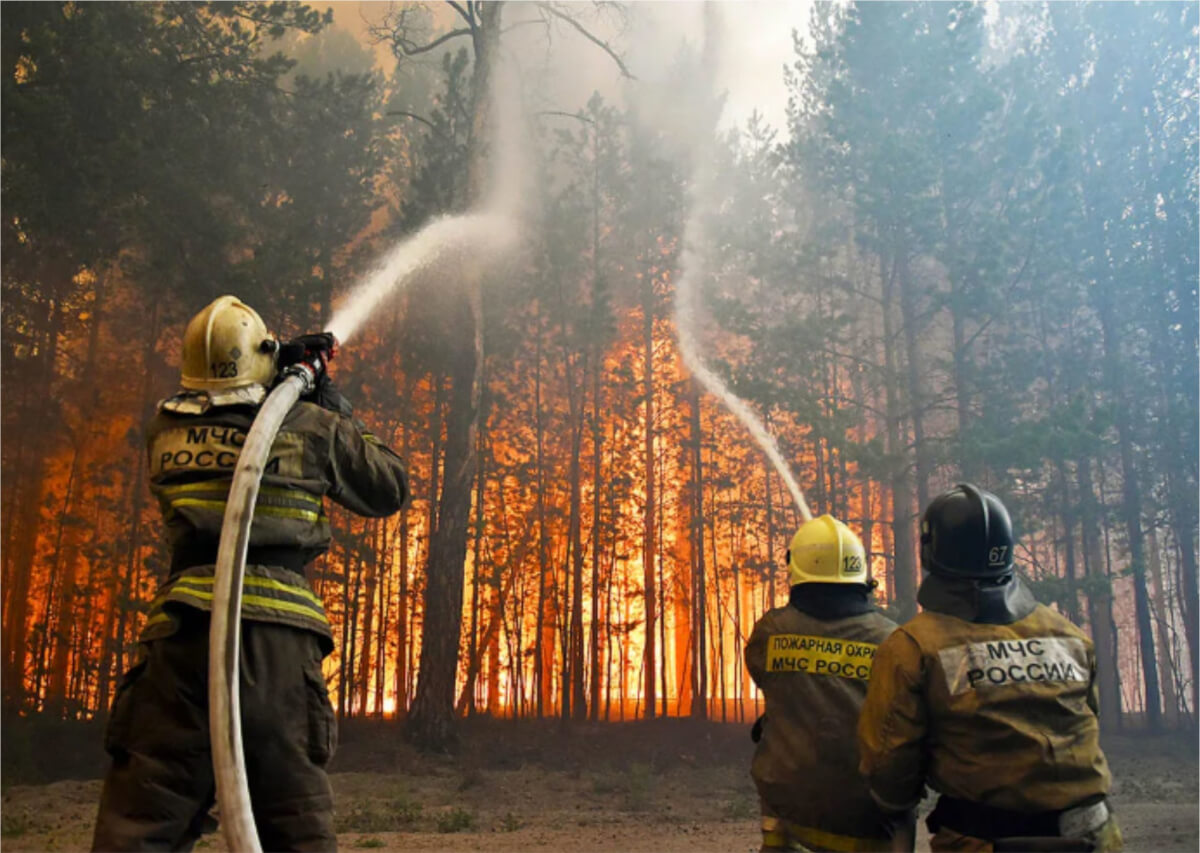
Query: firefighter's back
point(814, 682)
point(989, 697)
point(1010, 712)
point(812, 660)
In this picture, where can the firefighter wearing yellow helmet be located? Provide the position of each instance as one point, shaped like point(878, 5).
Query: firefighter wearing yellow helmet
point(160, 786)
point(228, 352)
point(812, 659)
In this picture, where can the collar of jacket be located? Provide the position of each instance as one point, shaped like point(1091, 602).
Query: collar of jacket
point(831, 600)
point(980, 601)
point(189, 402)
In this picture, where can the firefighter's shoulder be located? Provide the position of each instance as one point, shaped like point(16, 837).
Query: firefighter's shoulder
point(777, 617)
point(928, 630)
point(879, 625)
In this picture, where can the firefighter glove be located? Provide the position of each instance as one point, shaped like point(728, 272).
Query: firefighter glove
point(327, 396)
point(314, 349)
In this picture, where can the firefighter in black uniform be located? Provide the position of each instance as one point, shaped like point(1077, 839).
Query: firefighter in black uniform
point(160, 786)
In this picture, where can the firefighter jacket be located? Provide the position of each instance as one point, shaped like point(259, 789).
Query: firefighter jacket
point(1000, 713)
point(318, 453)
point(812, 659)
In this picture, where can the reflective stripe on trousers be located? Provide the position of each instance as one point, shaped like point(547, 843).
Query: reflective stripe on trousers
point(779, 834)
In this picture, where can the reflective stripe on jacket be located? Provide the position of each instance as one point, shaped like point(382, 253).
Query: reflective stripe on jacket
point(1003, 715)
point(813, 673)
point(269, 594)
point(318, 453)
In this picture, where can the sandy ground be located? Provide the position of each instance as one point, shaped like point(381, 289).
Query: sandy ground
point(625, 789)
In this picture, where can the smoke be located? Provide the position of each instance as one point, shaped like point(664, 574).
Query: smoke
point(444, 243)
point(456, 245)
point(694, 261)
point(491, 232)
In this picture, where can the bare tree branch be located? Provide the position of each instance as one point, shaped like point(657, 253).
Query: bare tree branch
point(462, 12)
point(576, 116)
point(410, 49)
point(398, 29)
point(419, 118)
point(553, 10)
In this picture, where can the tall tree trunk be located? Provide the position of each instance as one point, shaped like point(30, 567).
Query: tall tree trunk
point(127, 584)
point(1070, 601)
point(369, 583)
point(431, 721)
point(62, 604)
point(597, 529)
point(1130, 506)
point(967, 464)
point(466, 700)
point(574, 702)
point(772, 569)
point(384, 631)
point(916, 398)
point(84, 440)
point(1180, 447)
point(1183, 527)
point(1099, 598)
point(649, 530)
point(543, 639)
point(402, 633)
point(16, 609)
point(904, 587)
point(1154, 561)
point(473, 650)
point(699, 581)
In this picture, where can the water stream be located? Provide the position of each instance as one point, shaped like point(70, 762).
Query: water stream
point(693, 264)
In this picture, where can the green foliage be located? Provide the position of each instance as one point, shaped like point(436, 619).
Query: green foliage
point(14, 825)
point(740, 807)
point(455, 820)
point(393, 814)
point(159, 135)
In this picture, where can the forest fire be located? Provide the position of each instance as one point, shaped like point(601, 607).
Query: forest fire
point(963, 252)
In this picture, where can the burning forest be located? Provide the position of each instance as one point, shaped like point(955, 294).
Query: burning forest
point(628, 317)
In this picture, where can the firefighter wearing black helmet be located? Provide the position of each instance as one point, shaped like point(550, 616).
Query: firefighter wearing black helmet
point(989, 697)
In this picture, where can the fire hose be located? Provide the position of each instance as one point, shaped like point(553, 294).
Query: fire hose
point(224, 639)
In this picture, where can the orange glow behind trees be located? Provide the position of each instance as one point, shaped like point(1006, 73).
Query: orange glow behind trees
point(899, 322)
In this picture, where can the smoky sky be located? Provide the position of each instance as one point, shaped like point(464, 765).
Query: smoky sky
point(756, 44)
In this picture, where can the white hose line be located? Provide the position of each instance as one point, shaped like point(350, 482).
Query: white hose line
point(224, 639)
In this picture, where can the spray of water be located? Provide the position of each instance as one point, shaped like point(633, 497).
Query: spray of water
point(693, 262)
point(447, 243)
point(436, 246)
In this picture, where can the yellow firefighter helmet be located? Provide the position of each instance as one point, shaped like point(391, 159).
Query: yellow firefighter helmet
point(826, 551)
point(227, 345)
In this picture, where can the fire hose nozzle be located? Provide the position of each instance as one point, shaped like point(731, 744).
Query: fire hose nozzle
point(307, 357)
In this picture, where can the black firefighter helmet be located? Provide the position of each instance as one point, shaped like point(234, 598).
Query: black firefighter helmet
point(967, 533)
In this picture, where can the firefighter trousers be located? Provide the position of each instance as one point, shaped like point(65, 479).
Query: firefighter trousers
point(160, 787)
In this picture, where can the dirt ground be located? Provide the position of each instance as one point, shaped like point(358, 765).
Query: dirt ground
point(666, 785)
